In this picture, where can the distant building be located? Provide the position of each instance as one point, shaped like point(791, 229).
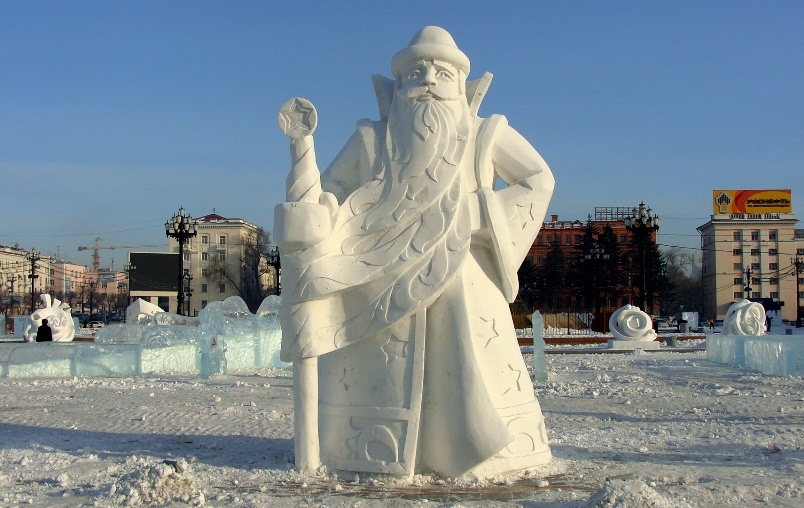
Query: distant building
point(221, 261)
point(568, 236)
point(749, 246)
point(15, 279)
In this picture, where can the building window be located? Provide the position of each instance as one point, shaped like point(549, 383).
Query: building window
point(755, 281)
point(203, 304)
point(568, 240)
point(204, 239)
point(799, 252)
point(738, 266)
point(738, 280)
point(738, 294)
point(203, 288)
point(737, 252)
point(774, 280)
point(222, 255)
point(773, 266)
point(540, 261)
point(187, 256)
point(754, 235)
point(774, 294)
point(773, 252)
point(205, 256)
point(755, 266)
point(222, 288)
point(538, 240)
point(755, 294)
point(755, 252)
point(738, 235)
point(222, 240)
point(186, 271)
point(773, 234)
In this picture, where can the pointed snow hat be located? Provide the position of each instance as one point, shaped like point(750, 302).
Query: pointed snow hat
point(430, 42)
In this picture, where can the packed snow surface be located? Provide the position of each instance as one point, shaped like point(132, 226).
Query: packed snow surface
point(629, 430)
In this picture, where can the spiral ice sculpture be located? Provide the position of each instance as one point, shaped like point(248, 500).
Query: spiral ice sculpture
point(744, 318)
point(58, 318)
point(630, 323)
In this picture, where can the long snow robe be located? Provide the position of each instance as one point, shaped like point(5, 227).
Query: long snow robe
point(405, 304)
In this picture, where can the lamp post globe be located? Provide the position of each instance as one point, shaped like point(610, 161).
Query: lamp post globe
point(642, 223)
point(181, 227)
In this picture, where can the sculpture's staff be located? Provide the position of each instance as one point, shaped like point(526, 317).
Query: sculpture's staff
point(298, 120)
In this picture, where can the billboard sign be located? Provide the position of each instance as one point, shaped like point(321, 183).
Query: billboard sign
point(752, 201)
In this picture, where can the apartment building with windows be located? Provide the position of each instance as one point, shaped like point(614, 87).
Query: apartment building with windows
point(748, 249)
point(218, 262)
point(15, 279)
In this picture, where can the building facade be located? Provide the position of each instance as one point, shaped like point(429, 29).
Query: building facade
point(222, 260)
point(24, 276)
point(750, 254)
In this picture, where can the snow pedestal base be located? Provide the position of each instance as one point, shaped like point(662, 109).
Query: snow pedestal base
point(775, 355)
point(631, 345)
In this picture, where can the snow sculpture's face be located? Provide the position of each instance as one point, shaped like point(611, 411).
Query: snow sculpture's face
point(427, 80)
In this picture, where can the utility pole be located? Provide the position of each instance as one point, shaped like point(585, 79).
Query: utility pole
point(33, 257)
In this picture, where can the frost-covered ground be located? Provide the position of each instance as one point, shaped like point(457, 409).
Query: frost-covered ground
point(638, 429)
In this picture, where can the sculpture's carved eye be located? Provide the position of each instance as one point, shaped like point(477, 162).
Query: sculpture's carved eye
point(444, 75)
point(415, 73)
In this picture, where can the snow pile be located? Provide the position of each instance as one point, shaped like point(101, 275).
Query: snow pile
point(156, 484)
point(629, 493)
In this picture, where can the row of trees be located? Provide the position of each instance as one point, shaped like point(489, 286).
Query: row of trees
point(600, 273)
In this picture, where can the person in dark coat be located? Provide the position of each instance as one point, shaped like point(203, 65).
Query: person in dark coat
point(44, 333)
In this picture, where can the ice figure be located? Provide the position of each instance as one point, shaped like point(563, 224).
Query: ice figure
point(744, 318)
point(58, 319)
point(631, 324)
point(539, 357)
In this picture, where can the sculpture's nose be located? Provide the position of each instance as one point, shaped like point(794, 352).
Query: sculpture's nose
point(429, 78)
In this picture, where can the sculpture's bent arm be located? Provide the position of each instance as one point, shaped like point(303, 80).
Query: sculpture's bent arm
point(515, 213)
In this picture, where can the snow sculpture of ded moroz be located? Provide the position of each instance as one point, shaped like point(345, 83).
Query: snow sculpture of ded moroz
point(397, 266)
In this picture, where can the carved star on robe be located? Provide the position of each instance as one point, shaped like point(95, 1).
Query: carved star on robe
point(514, 375)
point(394, 348)
point(526, 212)
point(487, 330)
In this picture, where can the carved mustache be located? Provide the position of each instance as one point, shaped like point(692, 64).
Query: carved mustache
point(415, 93)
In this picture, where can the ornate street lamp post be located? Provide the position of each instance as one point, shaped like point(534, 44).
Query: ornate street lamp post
point(92, 285)
point(128, 268)
point(33, 257)
point(596, 254)
point(188, 291)
point(642, 223)
point(799, 264)
point(182, 228)
point(273, 260)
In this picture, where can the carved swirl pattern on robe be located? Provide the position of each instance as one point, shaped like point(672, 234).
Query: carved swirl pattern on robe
point(630, 323)
point(744, 318)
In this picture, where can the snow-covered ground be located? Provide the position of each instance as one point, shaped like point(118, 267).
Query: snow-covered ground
point(637, 429)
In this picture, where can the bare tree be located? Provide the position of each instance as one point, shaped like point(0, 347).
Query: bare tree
point(250, 277)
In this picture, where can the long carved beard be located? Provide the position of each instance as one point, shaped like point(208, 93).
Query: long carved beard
point(423, 152)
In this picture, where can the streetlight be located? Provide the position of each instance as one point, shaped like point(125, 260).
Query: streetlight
point(92, 285)
point(182, 228)
point(188, 291)
point(33, 257)
point(128, 268)
point(642, 223)
point(596, 254)
point(799, 269)
point(272, 258)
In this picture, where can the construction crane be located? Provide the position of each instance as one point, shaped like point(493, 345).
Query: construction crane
point(97, 247)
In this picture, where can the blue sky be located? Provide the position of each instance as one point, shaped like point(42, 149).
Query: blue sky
point(114, 114)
